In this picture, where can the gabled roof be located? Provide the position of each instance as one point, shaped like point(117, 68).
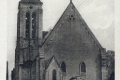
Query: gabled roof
point(48, 62)
point(71, 6)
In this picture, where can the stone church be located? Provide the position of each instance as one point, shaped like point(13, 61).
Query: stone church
point(69, 51)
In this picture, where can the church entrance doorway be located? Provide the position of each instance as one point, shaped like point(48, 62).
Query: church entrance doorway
point(54, 75)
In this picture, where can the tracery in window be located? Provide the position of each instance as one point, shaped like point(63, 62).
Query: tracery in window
point(71, 18)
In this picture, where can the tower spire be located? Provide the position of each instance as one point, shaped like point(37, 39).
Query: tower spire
point(70, 1)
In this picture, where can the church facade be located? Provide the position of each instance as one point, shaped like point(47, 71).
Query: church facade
point(70, 51)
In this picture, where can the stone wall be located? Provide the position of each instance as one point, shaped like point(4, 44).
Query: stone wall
point(70, 42)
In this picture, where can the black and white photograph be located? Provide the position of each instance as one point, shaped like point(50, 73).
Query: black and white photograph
point(60, 40)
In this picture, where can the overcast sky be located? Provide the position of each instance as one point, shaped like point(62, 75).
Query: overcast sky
point(98, 14)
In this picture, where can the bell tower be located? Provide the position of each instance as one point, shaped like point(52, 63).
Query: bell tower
point(29, 37)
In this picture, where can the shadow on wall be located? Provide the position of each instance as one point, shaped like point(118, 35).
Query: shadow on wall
point(112, 76)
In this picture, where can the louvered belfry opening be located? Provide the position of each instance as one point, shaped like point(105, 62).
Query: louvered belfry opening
point(27, 25)
point(34, 25)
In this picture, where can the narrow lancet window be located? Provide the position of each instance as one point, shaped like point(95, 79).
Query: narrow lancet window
point(63, 67)
point(83, 67)
point(33, 25)
point(27, 25)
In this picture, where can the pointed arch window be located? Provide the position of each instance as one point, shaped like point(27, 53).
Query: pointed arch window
point(63, 66)
point(82, 69)
point(27, 30)
point(33, 25)
point(54, 73)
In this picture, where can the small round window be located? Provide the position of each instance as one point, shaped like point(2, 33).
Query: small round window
point(71, 18)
